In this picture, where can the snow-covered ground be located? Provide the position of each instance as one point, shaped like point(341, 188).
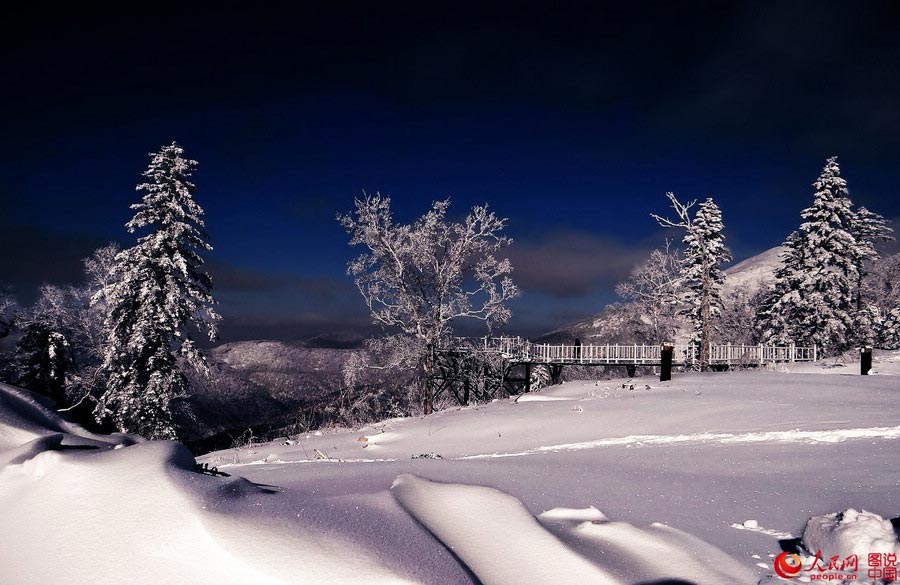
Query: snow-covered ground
point(617, 481)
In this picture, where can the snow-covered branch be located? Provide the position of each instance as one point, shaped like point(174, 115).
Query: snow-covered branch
point(421, 277)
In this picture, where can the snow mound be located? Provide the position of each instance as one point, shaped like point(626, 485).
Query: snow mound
point(512, 548)
point(850, 533)
point(565, 546)
point(589, 514)
point(25, 416)
point(540, 398)
point(87, 508)
point(657, 554)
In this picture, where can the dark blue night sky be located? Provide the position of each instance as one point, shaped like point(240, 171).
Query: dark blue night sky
point(571, 123)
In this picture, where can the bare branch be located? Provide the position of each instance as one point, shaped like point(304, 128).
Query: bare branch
point(682, 210)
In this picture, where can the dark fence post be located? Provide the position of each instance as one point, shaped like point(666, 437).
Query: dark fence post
point(865, 360)
point(555, 373)
point(665, 369)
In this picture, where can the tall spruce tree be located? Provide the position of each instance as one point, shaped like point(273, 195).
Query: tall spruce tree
point(813, 302)
point(701, 268)
point(157, 296)
point(704, 254)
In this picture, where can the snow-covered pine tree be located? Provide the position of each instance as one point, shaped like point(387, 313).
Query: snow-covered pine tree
point(157, 295)
point(701, 268)
point(778, 318)
point(704, 254)
point(813, 298)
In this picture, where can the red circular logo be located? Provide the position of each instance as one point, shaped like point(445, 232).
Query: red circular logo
point(787, 565)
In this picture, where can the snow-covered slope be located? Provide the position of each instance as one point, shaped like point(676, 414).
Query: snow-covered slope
point(638, 479)
point(753, 273)
point(615, 481)
point(609, 326)
point(259, 385)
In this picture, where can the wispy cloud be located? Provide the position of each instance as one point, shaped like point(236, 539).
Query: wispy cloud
point(568, 264)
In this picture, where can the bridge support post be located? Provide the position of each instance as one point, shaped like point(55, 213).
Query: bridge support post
point(555, 373)
point(527, 376)
point(865, 360)
point(665, 369)
point(631, 369)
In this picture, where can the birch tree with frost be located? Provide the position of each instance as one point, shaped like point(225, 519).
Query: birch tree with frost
point(419, 278)
point(655, 286)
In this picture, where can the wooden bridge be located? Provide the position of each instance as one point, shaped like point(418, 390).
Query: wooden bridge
point(518, 350)
point(482, 365)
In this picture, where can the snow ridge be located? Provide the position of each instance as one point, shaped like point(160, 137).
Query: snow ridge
point(793, 436)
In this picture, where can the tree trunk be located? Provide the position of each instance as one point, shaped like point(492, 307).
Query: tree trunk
point(705, 331)
point(428, 382)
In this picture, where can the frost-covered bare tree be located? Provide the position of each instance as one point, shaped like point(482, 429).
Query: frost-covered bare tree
point(87, 345)
point(43, 357)
point(882, 283)
point(419, 278)
point(890, 330)
point(60, 349)
point(881, 295)
point(8, 309)
point(701, 268)
point(655, 286)
point(737, 324)
point(868, 229)
point(157, 295)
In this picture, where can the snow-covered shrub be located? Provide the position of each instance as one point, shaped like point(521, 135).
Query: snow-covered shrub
point(851, 532)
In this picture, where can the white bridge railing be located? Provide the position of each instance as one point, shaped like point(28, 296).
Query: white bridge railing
point(518, 349)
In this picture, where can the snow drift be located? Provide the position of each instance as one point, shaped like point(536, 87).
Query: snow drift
point(88, 508)
point(503, 544)
point(85, 508)
point(431, 500)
